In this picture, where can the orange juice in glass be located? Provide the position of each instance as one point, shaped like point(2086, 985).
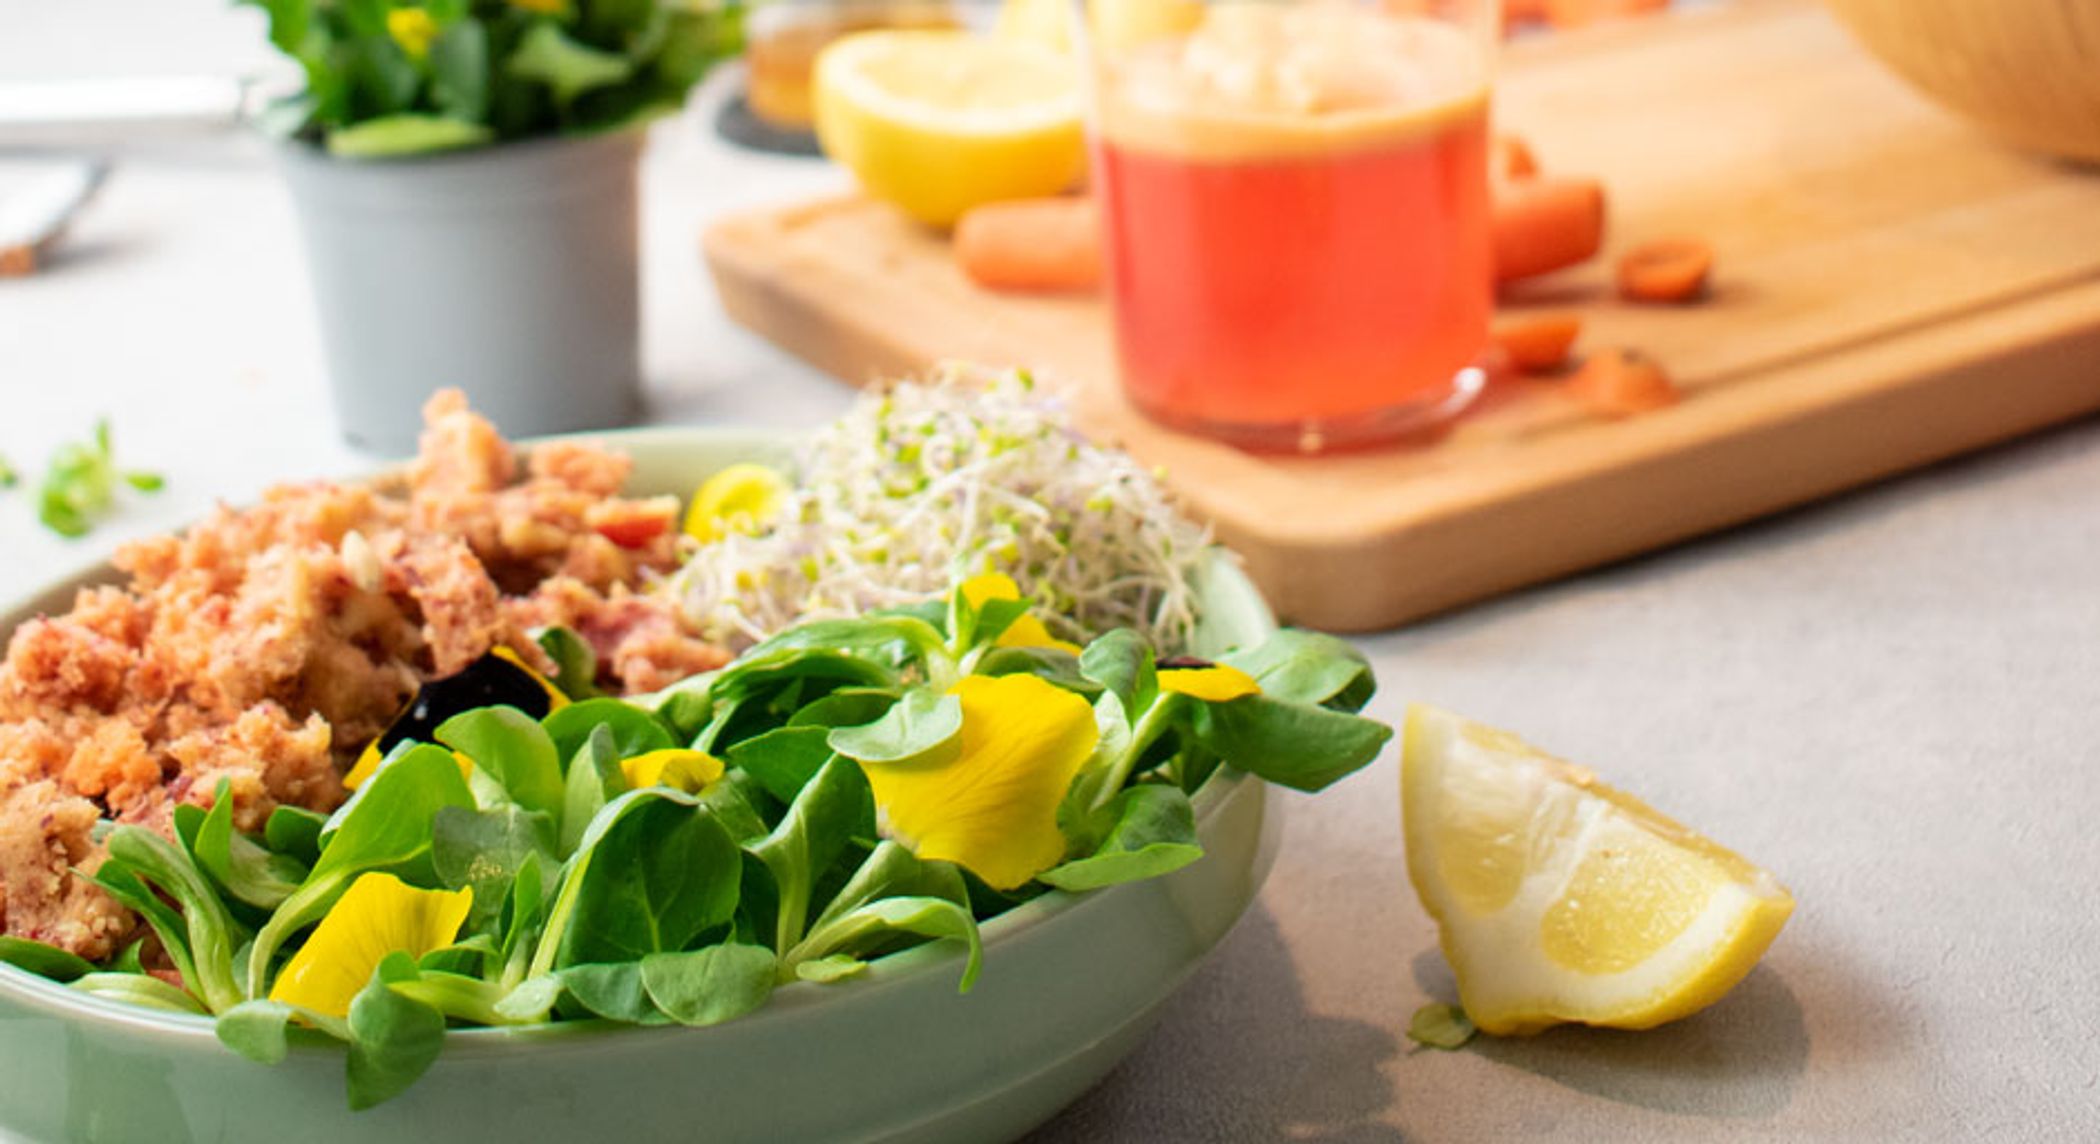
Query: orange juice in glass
point(1295, 202)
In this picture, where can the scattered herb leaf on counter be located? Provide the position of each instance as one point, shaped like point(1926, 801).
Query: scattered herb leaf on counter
point(8, 477)
point(1440, 1026)
point(843, 790)
point(81, 484)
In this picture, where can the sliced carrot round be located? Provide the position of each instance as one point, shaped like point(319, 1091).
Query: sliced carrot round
point(1621, 383)
point(1538, 344)
point(1666, 270)
point(1513, 159)
point(1579, 13)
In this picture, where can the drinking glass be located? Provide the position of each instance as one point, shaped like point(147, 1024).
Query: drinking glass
point(1295, 202)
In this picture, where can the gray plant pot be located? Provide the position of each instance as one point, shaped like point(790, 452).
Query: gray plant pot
point(509, 272)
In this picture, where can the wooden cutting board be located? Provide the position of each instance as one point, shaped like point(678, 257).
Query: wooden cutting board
point(1892, 288)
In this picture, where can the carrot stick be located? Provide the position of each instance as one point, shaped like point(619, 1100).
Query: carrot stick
point(1621, 383)
point(1577, 13)
point(1545, 224)
point(1538, 344)
point(1667, 270)
point(1032, 244)
point(1522, 12)
point(1512, 159)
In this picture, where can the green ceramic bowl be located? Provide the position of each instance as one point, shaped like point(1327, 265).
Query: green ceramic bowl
point(1070, 984)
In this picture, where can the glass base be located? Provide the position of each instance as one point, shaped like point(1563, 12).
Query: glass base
point(1385, 426)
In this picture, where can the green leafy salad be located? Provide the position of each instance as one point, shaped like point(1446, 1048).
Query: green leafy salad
point(844, 789)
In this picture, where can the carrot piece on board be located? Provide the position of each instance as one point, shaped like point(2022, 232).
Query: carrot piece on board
point(1666, 270)
point(1576, 13)
point(1513, 159)
point(1032, 244)
point(1538, 344)
point(1544, 224)
point(1621, 383)
point(1522, 12)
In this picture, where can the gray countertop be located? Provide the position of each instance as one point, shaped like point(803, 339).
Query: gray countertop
point(1889, 700)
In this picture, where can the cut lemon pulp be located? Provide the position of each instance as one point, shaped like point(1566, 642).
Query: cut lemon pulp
point(1560, 899)
point(938, 122)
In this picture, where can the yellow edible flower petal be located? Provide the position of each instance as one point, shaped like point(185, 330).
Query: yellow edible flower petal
point(1027, 631)
point(368, 765)
point(677, 768)
point(1218, 683)
point(413, 29)
point(744, 498)
point(993, 806)
point(990, 586)
point(379, 914)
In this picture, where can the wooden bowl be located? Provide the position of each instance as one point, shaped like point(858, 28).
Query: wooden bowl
point(2027, 70)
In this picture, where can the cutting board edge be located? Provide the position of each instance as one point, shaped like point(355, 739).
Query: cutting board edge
point(1927, 421)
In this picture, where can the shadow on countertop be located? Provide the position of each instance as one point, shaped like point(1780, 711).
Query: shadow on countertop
point(1237, 1056)
point(1742, 1058)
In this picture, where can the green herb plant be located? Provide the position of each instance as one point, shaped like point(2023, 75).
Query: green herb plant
point(80, 485)
point(592, 898)
point(389, 78)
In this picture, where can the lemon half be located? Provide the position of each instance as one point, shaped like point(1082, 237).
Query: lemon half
point(1560, 899)
point(938, 122)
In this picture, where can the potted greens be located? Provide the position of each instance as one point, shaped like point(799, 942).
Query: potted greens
point(464, 175)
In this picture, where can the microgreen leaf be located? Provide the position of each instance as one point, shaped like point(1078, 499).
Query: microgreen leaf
point(1296, 745)
point(634, 731)
point(612, 990)
point(1308, 667)
point(923, 727)
point(576, 665)
point(138, 989)
point(248, 872)
point(846, 707)
point(43, 960)
point(862, 928)
point(653, 870)
point(815, 830)
point(783, 760)
point(511, 747)
point(834, 967)
point(206, 925)
point(710, 985)
point(1121, 661)
point(294, 832)
point(1440, 1026)
point(1145, 831)
point(257, 1030)
point(594, 779)
point(483, 850)
point(394, 1039)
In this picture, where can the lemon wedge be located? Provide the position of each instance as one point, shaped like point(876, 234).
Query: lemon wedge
point(741, 498)
point(1560, 899)
point(937, 122)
